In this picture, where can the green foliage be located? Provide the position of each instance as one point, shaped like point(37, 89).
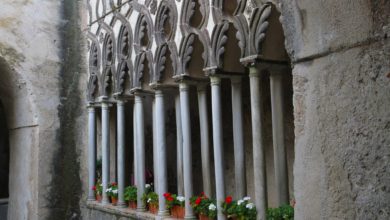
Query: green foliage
point(243, 209)
point(150, 198)
point(130, 194)
point(204, 205)
point(284, 212)
point(112, 190)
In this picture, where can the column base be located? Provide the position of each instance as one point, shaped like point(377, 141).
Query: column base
point(142, 209)
point(105, 202)
point(163, 213)
point(190, 217)
point(121, 204)
point(91, 198)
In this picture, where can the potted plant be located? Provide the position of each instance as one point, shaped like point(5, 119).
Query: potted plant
point(242, 209)
point(175, 204)
point(130, 195)
point(98, 189)
point(203, 206)
point(284, 212)
point(151, 201)
point(112, 192)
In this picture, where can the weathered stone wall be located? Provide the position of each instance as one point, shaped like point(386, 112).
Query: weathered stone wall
point(41, 65)
point(340, 52)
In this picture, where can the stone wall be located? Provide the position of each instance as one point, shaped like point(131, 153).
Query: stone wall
point(340, 53)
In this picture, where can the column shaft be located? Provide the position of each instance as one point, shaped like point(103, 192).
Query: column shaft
point(204, 139)
point(105, 150)
point(280, 159)
point(218, 143)
point(258, 145)
point(121, 151)
point(238, 137)
point(155, 154)
point(91, 151)
point(140, 152)
point(179, 148)
point(161, 152)
point(187, 154)
point(135, 144)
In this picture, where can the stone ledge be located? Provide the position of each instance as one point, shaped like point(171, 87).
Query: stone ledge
point(123, 212)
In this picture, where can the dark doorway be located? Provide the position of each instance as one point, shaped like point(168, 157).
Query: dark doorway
point(4, 164)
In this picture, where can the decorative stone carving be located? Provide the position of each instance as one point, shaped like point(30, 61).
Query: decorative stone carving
point(185, 52)
point(138, 69)
point(121, 77)
point(218, 41)
point(160, 59)
point(92, 87)
point(258, 26)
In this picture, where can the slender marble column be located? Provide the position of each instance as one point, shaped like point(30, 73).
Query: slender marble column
point(91, 151)
point(258, 145)
point(218, 143)
point(238, 137)
point(105, 150)
point(204, 139)
point(140, 152)
point(187, 154)
point(280, 159)
point(155, 154)
point(161, 152)
point(120, 106)
point(179, 148)
point(135, 144)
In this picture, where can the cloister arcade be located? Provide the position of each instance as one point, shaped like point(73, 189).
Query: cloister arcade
point(184, 87)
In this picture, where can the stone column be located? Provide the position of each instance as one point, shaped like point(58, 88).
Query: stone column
point(258, 145)
point(204, 139)
point(161, 153)
point(140, 151)
point(179, 148)
point(155, 157)
point(105, 150)
point(187, 154)
point(238, 137)
point(134, 144)
point(120, 106)
point(91, 151)
point(218, 143)
point(280, 159)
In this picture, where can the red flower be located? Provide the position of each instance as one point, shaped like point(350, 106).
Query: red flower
point(198, 200)
point(202, 194)
point(94, 188)
point(167, 195)
point(170, 198)
point(113, 184)
point(228, 200)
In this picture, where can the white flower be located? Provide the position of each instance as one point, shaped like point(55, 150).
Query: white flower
point(180, 198)
point(247, 198)
point(212, 207)
point(115, 191)
point(250, 206)
point(147, 186)
point(239, 202)
point(149, 200)
point(108, 190)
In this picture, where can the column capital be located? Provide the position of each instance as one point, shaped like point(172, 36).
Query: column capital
point(236, 79)
point(138, 98)
point(215, 80)
point(183, 86)
point(91, 108)
point(254, 72)
point(159, 93)
point(201, 87)
point(105, 105)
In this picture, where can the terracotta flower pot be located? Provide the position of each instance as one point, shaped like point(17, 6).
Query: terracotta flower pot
point(98, 198)
point(204, 217)
point(178, 211)
point(133, 205)
point(153, 208)
point(114, 200)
